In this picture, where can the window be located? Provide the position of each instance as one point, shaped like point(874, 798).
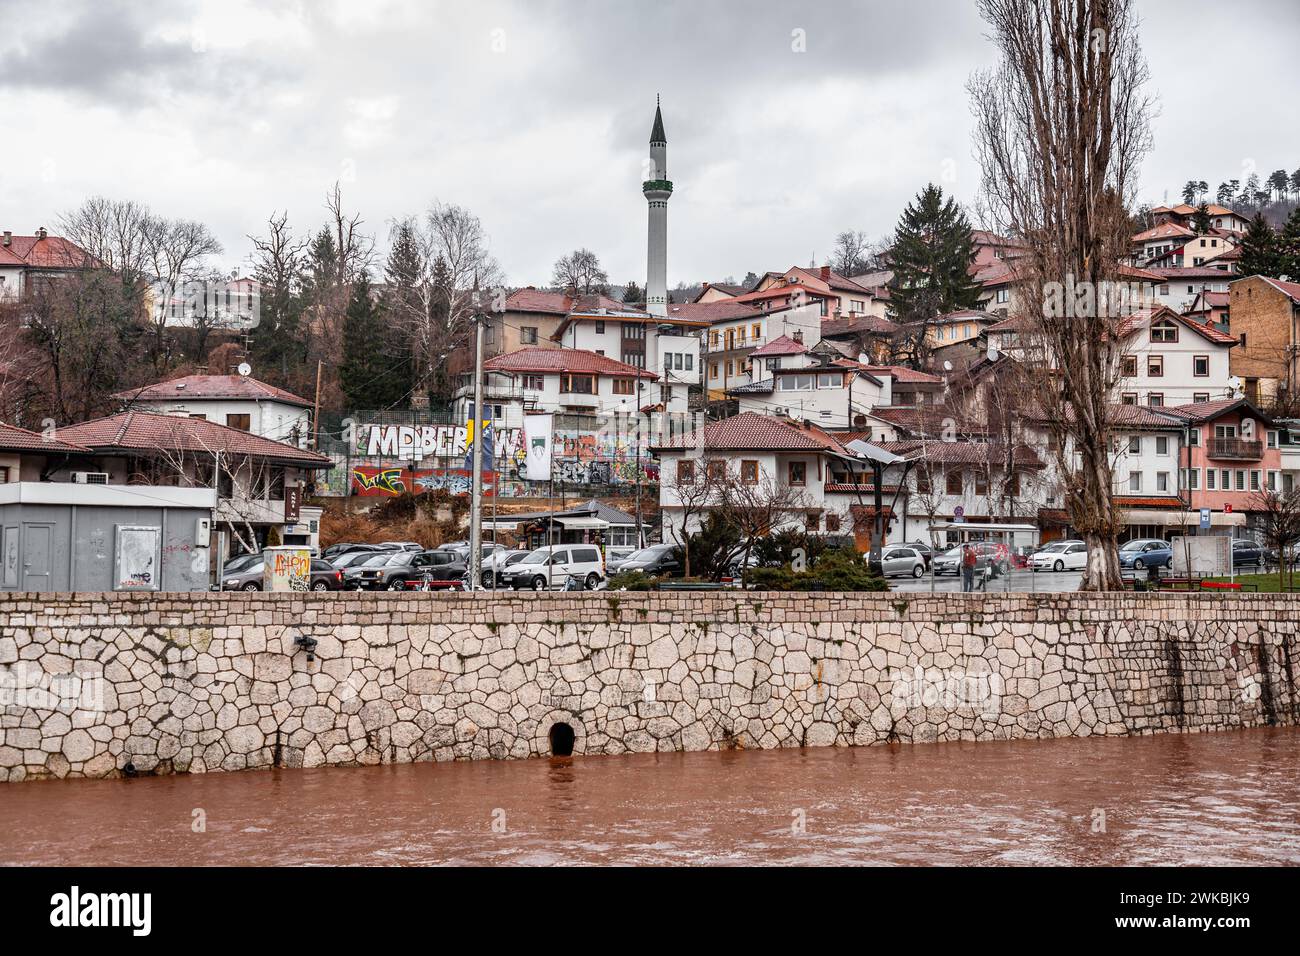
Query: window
point(713, 370)
point(1003, 295)
point(749, 472)
point(1200, 365)
point(1210, 479)
point(1241, 479)
point(1162, 444)
point(622, 386)
point(571, 384)
point(1271, 437)
point(1155, 366)
point(832, 523)
point(797, 473)
point(981, 483)
point(528, 334)
point(1194, 438)
point(690, 362)
point(199, 416)
point(678, 360)
point(1194, 479)
point(635, 359)
point(1135, 481)
point(713, 339)
point(1225, 480)
point(685, 472)
point(1129, 398)
point(1162, 481)
point(1225, 431)
point(756, 330)
point(1135, 445)
point(633, 330)
point(812, 522)
point(798, 383)
point(1130, 366)
point(1254, 480)
point(730, 368)
point(830, 380)
point(1156, 399)
point(534, 383)
point(1164, 331)
point(716, 470)
point(600, 327)
point(953, 483)
point(1242, 339)
point(242, 422)
point(923, 485)
point(1273, 483)
point(1200, 397)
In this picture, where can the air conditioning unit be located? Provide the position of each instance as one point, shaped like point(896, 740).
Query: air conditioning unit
point(90, 477)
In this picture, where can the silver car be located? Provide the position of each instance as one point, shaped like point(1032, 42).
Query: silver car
point(902, 560)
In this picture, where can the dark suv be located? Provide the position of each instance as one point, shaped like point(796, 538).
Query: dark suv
point(404, 566)
point(658, 559)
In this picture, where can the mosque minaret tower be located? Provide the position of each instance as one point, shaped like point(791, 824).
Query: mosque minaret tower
point(658, 190)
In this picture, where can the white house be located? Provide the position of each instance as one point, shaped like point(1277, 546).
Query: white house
point(567, 381)
point(731, 343)
point(236, 401)
point(28, 261)
point(1171, 359)
point(1182, 286)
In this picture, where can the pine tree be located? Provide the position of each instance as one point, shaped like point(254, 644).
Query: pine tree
point(633, 293)
point(405, 307)
point(365, 373)
point(1288, 247)
point(931, 257)
point(1259, 250)
point(1201, 220)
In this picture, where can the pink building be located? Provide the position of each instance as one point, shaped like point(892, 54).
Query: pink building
point(1231, 454)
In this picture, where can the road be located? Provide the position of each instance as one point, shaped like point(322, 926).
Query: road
point(1016, 581)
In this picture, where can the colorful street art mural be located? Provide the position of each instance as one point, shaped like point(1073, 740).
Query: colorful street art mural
point(385, 460)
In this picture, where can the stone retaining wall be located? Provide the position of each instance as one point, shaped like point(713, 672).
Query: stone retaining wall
point(101, 684)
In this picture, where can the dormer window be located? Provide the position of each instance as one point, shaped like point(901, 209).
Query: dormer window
point(1164, 331)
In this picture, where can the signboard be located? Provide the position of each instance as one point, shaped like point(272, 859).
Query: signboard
point(1227, 509)
point(137, 561)
point(292, 502)
point(537, 447)
point(959, 513)
point(1205, 519)
point(286, 569)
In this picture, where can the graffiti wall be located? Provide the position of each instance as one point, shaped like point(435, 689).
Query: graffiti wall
point(386, 460)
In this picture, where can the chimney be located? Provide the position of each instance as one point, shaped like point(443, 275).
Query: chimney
point(40, 233)
point(9, 238)
point(826, 273)
point(798, 336)
point(704, 287)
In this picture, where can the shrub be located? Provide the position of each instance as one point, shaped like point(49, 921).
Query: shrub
point(838, 570)
point(633, 581)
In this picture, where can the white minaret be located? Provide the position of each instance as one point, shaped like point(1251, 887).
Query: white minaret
point(657, 190)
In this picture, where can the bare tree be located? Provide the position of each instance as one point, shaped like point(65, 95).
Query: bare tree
point(1061, 126)
point(851, 254)
point(1279, 524)
point(756, 507)
point(580, 271)
point(695, 483)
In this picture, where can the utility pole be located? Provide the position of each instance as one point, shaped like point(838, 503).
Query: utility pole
point(315, 415)
point(476, 489)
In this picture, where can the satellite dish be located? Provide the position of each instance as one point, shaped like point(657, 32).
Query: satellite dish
point(1235, 382)
point(245, 369)
point(947, 366)
point(992, 353)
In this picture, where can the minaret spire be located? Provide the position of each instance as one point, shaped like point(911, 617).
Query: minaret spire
point(657, 190)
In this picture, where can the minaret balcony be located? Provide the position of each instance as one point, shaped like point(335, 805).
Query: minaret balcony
point(657, 186)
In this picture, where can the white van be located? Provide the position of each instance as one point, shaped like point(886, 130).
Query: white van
point(550, 566)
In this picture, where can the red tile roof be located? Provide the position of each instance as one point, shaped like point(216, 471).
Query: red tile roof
point(1194, 272)
point(137, 431)
point(1142, 417)
point(1142, 318)
point(927, 420)
point(833, 280)
point(557, 303)
point(1289, 289)
point(719, 311)
point(46, 252)
point(780, 291)
point(542, 360)
point(862, 323)
point(781, 345)
point(751, 431)
point(13, 438)
point(963, 452)
point(234, 387)
point(902, 374)
point(1166, 230)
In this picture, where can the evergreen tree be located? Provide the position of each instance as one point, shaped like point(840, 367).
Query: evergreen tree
point(365, 373)
point(633, 293)
point(1201, 220)
point(750, 280)
point(1288, 247)
point(1259, 250)
point(931, 256)
point(405, 307)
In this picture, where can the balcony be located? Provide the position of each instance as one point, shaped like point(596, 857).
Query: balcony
point(737, 344)
point(1239, 448)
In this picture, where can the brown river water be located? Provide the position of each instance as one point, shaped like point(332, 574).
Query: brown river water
point(1225, 798)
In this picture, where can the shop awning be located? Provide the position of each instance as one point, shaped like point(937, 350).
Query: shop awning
point(1181, 519)
point(582, 524)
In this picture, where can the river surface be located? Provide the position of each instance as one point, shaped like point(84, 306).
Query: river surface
point(1224, 798)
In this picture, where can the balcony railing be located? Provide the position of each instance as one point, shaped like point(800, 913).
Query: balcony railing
point(750, 342)
point(1242, 448)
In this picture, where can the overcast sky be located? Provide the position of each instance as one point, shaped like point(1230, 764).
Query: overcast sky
point(536, 115)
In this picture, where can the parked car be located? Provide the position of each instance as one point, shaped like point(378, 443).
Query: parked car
point(404, 566)
point(1060, 556)
point(616, 555)
point(987, 554)
point(324, 577)
point(1247, 554)
point(352, 558)
point(402, 545)
point(461, 549)
point(926, 551)
point(900, 559)
point(656, 560)
point(1142, 553)
point(335, 551)
point(239, 563)
point(551, 565)
point(496, 565)
point(1292, 555)
point(353, 573)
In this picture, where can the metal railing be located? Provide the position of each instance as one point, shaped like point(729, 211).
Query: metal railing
point(1243, 448)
